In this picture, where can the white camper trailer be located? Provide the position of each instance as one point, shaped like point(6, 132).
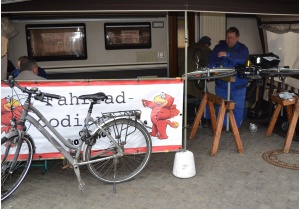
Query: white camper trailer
point(161, 57)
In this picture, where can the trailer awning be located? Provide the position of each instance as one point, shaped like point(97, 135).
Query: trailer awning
point(275, 7)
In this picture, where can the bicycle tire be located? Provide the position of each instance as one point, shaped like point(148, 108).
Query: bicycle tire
point(206, 74)
point(137, 151)
point(281, 72)
point(11, 181)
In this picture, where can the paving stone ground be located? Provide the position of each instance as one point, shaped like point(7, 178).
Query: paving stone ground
point(228, 180)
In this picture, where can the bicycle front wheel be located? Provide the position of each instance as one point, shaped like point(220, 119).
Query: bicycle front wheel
point(134, 140)
point(15, 162)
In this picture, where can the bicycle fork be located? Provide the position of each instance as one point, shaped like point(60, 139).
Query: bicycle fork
point(18, 148)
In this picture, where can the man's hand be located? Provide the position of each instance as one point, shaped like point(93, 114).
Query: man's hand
point(222, 54)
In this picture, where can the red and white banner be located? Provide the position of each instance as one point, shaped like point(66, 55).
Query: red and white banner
point(67, 114)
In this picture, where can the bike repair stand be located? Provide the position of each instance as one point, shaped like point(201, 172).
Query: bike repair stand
point(184, 164)
point(217, 122)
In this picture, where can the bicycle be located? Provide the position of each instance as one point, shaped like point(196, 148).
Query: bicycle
point(116, 150)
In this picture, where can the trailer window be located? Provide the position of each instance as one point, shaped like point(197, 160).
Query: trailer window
point(127, 35)
point(56, 42)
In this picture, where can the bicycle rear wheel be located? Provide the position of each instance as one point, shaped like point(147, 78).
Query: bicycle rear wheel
point(210, 73)
point(13, 170)
point(136, 143)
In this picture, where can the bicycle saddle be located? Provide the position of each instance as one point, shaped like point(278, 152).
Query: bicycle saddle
point(97, 96)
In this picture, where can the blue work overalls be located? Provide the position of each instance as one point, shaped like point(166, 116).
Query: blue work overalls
point(238, 55)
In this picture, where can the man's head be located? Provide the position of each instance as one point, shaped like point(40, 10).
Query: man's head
point(232, 36)
point(27, 63)
point(205, 40)
point(20, 59)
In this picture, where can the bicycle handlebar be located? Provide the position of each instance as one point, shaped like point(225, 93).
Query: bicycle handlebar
point(38, 95)
point(10, 81)
point(54, 96)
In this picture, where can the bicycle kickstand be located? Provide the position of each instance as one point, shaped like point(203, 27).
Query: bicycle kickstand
point(77, 172)
point(115, 172)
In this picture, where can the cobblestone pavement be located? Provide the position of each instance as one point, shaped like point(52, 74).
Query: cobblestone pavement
point(227, 181)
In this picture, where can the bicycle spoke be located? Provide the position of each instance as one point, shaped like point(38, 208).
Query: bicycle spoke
point(13, 172)
point(136, 144)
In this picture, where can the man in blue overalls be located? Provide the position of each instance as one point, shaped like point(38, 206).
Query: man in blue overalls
point(229, 54)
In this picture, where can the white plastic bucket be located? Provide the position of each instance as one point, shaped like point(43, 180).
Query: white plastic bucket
point(184, 165)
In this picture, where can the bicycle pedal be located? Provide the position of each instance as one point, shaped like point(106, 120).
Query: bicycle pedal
point(67, 166)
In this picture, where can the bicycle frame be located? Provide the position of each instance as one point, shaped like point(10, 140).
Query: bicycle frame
point(73, 160)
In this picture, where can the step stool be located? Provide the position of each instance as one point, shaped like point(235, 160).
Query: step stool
point(292, 110)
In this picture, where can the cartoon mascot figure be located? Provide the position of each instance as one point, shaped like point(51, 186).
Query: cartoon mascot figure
point(162, 109)
point(9, 108)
